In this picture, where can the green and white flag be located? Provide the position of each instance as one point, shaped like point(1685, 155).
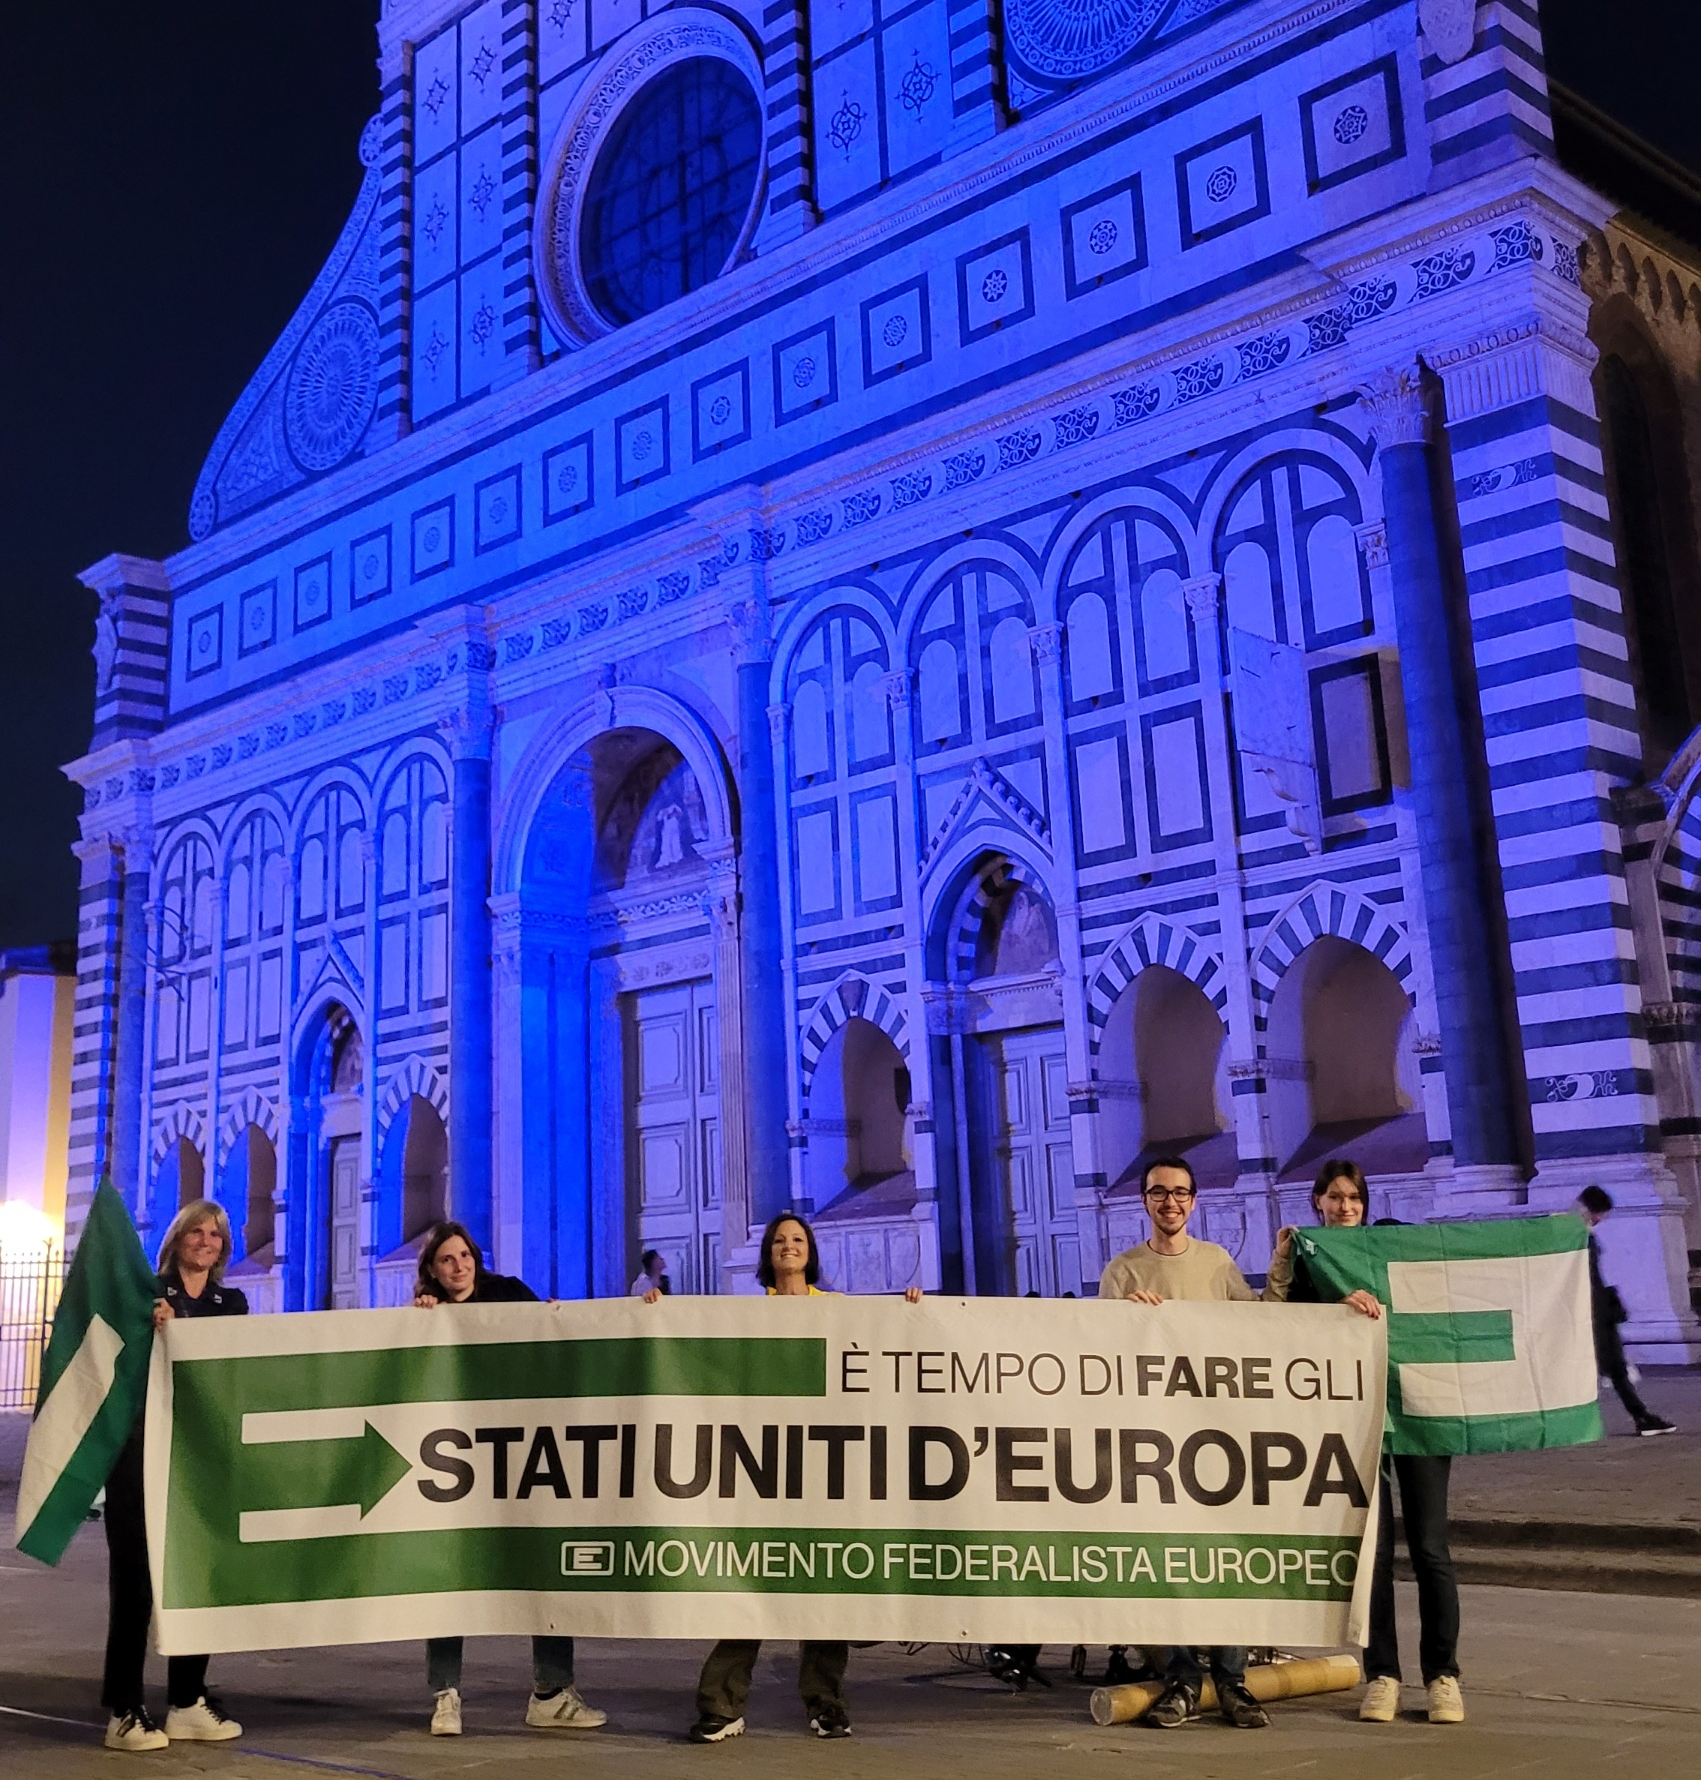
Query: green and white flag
point(1490, 1342)
point(94, 1379)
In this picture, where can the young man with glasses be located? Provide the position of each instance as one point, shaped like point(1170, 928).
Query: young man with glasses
point(1172, 1264)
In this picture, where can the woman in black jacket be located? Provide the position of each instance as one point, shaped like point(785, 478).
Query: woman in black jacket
point(452, 1271)
point(192, 1260)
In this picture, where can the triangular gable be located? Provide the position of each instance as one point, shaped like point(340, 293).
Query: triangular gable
point(987, 796)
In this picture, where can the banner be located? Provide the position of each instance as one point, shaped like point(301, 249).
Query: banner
point(862, 1468)
point(1490, 1341)
point(93, 1379)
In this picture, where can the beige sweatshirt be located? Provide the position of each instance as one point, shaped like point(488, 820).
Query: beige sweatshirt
point(1201, 1271)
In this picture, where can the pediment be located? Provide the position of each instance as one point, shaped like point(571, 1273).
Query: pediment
point(986, 798)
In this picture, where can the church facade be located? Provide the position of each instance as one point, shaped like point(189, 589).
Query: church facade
point(893, 607)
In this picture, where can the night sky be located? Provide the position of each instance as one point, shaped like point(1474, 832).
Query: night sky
point(172, 175)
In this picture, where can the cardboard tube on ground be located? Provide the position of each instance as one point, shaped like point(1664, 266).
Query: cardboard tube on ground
point(1269, 1681)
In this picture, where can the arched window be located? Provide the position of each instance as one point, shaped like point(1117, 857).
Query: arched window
point(1645, 567)
point(938, 692)
point(870, 732)
point(1092, 668)
point(1163, 620)
point(811, 744)
point(1012, 671)
point(1248, 592)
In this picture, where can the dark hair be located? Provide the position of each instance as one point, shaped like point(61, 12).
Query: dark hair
point(1595, 1199)
point(1179, 1162)
point(1340, 1168)
point(765, 1263)
point(649, 1255)
point(440, 1234)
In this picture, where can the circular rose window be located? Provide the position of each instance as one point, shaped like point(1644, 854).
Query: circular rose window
point(671, 188)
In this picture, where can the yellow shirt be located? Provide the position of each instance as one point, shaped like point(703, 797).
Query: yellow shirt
point(814, 1292)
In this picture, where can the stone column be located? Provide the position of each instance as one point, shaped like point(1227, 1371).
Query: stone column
point(1557, 699)
point(790, 208)
point(100, 918)
point(940, 1209)
point(721, 903)
point(977, 109)
point(1046, 641)
point(762, 978)
point(1466, 966)
point(1247, 1080)
point(471, 1130)
point(128, 1161)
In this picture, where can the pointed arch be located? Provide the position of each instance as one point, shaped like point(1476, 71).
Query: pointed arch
point(180, 1121)
point(415, 1077)
point(1326, 908)
point(251, 1107)
point(1153, 940)
point(852, 997)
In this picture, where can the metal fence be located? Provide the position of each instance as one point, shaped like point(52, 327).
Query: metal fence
point(31, 1275)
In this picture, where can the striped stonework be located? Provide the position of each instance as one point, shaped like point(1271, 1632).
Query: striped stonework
point(99, 918)
point(132, 646)
point(1152, 940)
point(1325, 909)
point(976, 72)
point(395, 259)
point(1559, 723)
point(1489, 105)
point(852, 998)
point(520, 333)
point(790, 205)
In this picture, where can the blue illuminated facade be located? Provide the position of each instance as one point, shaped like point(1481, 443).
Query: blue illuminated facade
point(1091, 628)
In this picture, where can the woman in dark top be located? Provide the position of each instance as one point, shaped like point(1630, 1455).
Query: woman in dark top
point(192, 1260)
point(1341, 1200)
point(452, 1271)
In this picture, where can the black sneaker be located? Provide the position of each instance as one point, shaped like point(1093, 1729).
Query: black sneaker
point(1655, 1424)
point(709, 1729)
point(1241, 1710)
point(831, 1721)
point(1174, 1707)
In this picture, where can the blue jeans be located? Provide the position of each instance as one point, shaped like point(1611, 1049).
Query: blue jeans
point(552, 1663)
point(1228, 1666)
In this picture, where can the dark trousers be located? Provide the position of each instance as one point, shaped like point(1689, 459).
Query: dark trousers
point(552, 1663)
point(1609, 1357)
point(132, 1596)
point(725, 1682)
point(1228, 1667)
point(1423, 1508)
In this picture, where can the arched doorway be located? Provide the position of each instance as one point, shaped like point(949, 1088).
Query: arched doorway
point(179, 1180)
point(860, 1169)
point(1341, 1065)
point(999, 952)
point(619, 1023)
point(327, 1155)
point(246, 1192)
point(1162, 1088)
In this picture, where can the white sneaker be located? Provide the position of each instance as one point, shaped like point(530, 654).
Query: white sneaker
point(1381, 1702)
point(1446, 1703)
point(134, 1731)
point(563, 1710)
point(201, 1723)
point(446, 1714)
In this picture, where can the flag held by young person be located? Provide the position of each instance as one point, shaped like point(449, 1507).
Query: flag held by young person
point(94, 1379)
point(1490, 1342)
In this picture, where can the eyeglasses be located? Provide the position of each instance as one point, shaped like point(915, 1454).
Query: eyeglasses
point(1179, 1195)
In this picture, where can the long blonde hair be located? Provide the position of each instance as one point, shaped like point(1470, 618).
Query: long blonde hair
point(186, 1220)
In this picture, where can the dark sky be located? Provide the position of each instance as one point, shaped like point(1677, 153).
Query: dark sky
point(172, 175)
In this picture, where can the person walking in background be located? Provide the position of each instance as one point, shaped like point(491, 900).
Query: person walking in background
point(789, 1267)
point(452, 1271)
point(192, 1260)
point(1606, 1311)
point(1340, 1197)
point(1172, 1264)
point(652, 1275)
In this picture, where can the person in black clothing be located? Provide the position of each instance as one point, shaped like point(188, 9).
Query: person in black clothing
point(1341, 1199)
point(192, 1260)
point(1606, 1312)
point(452, 1271)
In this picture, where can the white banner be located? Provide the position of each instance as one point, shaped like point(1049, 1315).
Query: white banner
point(968, 1470)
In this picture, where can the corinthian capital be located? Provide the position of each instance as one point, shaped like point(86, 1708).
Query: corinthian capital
point(1399, 414)
point(1202, 594)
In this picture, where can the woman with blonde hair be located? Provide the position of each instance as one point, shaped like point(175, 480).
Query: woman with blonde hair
point(191, 1265)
